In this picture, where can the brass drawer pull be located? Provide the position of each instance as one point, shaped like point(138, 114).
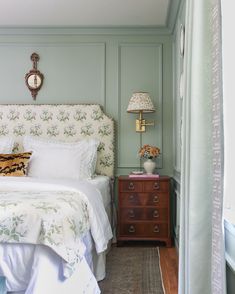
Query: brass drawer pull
point(131, 229)
point(156, 186)
point(131, 198)
point(131, 186)
point(131, 213)
point(156, 199)
point(156, 229)
point(156, 214)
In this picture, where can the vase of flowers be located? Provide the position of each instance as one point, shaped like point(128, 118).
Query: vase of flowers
point(149, 153)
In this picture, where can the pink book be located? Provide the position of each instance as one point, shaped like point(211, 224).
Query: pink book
point(152, 176)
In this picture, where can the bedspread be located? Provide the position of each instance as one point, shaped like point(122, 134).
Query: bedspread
point(53, 214)
point(57, 219)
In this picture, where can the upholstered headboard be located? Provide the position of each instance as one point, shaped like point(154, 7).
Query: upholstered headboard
point(61, 122)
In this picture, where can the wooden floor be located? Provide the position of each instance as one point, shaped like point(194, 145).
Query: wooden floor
point(169, 267)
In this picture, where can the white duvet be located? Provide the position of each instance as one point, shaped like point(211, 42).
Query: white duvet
point(33, 282)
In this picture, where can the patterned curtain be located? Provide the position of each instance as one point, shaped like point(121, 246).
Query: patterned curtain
point(218, 250)
point(201, 250)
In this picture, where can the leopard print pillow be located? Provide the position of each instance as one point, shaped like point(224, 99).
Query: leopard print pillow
point(14, 165)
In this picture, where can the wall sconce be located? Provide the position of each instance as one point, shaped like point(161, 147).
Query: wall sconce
point(140, 102)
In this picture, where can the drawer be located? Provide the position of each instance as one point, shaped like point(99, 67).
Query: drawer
point(129, 199)
point(148, 230)
point(130, 214)
point(131, 186)
point(157, 199)
point(150, 186)
point(143, 199)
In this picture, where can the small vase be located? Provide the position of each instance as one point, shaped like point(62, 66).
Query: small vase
point(149, 166)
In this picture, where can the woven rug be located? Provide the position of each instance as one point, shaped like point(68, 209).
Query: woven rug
point(132, 270)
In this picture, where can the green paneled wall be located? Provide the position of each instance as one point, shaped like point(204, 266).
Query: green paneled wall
point(139, 64)
point(178, 68)
point(97, 68)
point(69, 69)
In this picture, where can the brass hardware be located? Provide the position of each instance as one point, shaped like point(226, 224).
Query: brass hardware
point(156, 229)
point(131, 229)
point(131, 213)
point(140, 102)
point(131, 186)
point(155, 214)
point(141, 123)
point(156, 186)
point(131, 198)
point(156, 199)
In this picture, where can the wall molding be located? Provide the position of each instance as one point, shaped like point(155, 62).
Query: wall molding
point(18, 39)
point(176, 227)
point(172, 14)
point(173, 11)
point(177, 175)
point(35, 45)
point(158, 46)
point(115, 30)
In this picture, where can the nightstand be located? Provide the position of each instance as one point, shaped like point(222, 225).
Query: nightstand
point(144, 209)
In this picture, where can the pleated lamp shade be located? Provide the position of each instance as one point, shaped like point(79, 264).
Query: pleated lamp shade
point(140, 101)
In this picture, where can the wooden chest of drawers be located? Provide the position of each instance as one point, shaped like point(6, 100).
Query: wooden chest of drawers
point(144, 209)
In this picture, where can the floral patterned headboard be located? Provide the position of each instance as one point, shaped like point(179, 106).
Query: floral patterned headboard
point(61, 122)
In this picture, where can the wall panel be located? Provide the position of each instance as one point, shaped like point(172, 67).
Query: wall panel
point(70, 71)
point(140, 69)
point(96, 68)
point(178, 66)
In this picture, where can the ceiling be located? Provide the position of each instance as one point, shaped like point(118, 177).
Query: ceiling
point(84, 13)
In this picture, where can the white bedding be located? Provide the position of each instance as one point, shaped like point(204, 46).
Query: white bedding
point(41, 256)
point(102, 184)
point(35, 269)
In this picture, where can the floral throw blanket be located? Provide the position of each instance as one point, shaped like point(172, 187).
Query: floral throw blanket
point(57, 219)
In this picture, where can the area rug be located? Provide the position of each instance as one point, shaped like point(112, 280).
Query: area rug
point(132, 270)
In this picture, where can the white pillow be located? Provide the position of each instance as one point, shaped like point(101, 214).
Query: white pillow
point(53, 159)
point(6, 145)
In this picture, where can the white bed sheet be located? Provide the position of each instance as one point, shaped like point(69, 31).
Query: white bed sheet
point(102, 185)
point(98, 264)
point(39, 270)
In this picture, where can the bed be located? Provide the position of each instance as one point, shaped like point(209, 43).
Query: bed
point(75, 209)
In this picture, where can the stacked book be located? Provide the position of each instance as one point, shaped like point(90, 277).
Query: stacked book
point(139, 174)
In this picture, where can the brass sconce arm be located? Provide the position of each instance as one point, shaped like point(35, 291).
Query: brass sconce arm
point(140, 102)
point(140, 123)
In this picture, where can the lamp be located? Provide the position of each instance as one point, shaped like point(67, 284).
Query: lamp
point(140, 102)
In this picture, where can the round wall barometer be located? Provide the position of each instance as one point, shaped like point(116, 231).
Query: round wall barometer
point(34, 78)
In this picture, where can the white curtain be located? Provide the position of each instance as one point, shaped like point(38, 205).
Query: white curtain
point(201, 190)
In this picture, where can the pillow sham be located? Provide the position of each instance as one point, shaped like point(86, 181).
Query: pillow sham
point(54, 159)
point(6, 145)
point(14, 165)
